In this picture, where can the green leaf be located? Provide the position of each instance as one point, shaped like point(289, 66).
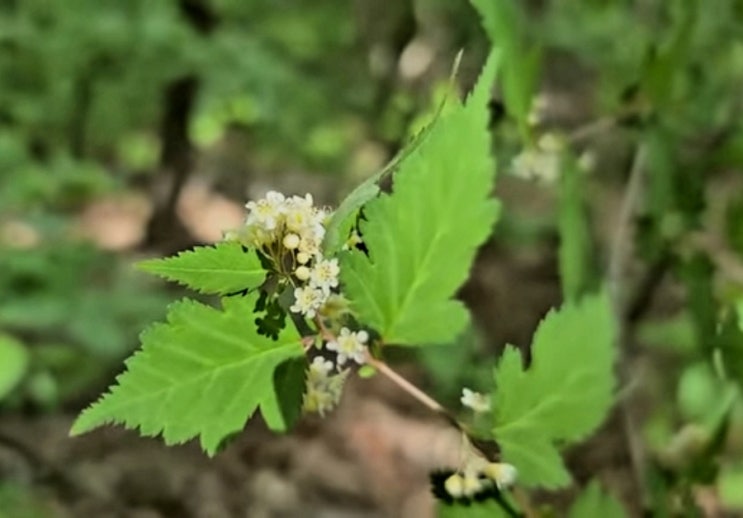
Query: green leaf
point(504, 23)
point(220, 269)
point(423, 236)
point(563, 396)
point(13, 364)
point(203, 372)
point(593, 502)
point(344, 217)
point(284, 408)
point(486, 509)
point(575, 234)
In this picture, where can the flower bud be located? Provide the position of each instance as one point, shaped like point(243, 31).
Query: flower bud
point(302, 273)
point(303, 258)
point(291, 241)
point(454, 485)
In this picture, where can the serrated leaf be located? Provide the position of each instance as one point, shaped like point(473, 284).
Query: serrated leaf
point(593, 502)
point(423, 236)
point(563, 396)
point(220, 269)
point(203, 372)
point(344, 217)
point(14, 361)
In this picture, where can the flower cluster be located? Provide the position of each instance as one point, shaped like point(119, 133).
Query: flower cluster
point(319, 280)
point(289, 231)
point(279, 224)
point(293, 222)
point(479, 477)
point(325, 378)
point(323, 388)
point(541, 163)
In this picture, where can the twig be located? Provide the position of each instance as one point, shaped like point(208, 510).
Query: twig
point(405, 385)
point(619, 253)
point(591, 129)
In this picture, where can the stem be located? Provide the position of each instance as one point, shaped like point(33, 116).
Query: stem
point(522, 498)
point(619, 253)
point(405, 385)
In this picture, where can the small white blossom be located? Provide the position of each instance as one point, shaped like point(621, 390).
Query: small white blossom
point(310, 244)
point(474, 400)
point(299, 214)
point(324, 274)
point(307, 300)
point(319, 369)
point(349, 345)
point(503, 474)
point(266, 212)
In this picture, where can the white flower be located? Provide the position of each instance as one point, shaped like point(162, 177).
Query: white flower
point(307, 300)
point(309, 244)
point(266, 212)
point(349, 345)
point(299, 213)
point(474, 400)
point(319, 369)
point(503, 474)
point(324, 274)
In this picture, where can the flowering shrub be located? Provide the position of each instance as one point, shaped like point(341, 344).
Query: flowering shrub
point(309, 295)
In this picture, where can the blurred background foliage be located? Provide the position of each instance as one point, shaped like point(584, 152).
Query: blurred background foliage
point(112, 111)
